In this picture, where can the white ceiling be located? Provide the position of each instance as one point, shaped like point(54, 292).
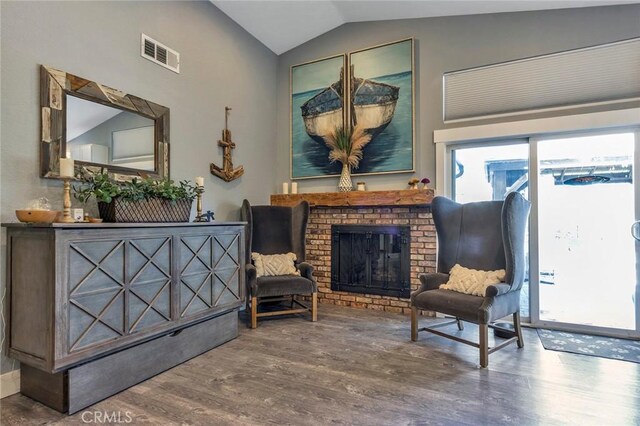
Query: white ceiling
point(282, 25)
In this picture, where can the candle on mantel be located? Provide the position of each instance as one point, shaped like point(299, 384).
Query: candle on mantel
point(199, 181)
point(66, 167)
point(285, 187)
point(294, 187)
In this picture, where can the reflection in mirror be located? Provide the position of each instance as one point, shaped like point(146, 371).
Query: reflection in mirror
point(101, 134)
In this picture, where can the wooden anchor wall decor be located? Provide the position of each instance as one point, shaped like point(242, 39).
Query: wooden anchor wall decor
point(227, 173)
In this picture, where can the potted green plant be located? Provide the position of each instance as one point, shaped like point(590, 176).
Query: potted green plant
point(138, 200)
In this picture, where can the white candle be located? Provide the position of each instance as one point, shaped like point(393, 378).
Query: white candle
point(294, 187)
point(199, 181)
point(66, 167)
point(285, 187)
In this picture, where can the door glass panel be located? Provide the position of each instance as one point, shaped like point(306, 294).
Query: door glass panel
point(385, 260)
point(586, 250)
point(490, 173)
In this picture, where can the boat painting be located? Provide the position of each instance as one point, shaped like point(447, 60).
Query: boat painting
point(372, 104)
point(380, 98)
point(323, 113)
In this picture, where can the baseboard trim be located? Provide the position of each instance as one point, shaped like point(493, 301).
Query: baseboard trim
point(9, 383)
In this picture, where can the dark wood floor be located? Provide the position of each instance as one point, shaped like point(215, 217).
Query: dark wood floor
point(359, 367)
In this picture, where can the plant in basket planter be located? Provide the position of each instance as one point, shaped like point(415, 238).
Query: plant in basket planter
point(138, 200)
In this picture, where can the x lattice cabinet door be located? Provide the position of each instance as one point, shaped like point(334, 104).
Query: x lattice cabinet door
point(210, 268)
point(117, 287)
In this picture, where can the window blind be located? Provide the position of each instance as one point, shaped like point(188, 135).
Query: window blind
point(603, 73)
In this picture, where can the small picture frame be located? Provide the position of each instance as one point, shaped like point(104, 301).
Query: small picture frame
point(77, 215)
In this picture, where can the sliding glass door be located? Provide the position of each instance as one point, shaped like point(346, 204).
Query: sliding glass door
point(584, 191)
point(586, 255)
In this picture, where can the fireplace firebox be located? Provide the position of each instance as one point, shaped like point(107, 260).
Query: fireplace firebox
point(371, 259)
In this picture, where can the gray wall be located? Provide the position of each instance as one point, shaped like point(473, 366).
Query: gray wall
point(221, 65)
point(448, 44)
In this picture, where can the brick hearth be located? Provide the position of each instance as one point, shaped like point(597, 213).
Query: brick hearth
point(404, 207)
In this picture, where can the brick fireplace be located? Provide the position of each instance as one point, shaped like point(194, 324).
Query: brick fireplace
point(403, 207)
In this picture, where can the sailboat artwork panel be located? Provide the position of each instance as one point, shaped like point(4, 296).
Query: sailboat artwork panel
point(317, 98)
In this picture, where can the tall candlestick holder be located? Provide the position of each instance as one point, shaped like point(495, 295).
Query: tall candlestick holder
point(199, 204)
point(66, 201)
point(199, 216)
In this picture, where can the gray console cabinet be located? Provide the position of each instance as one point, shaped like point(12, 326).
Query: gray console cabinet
point(85, 300)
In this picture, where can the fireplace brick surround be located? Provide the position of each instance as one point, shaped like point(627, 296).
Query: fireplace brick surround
point(406, 207)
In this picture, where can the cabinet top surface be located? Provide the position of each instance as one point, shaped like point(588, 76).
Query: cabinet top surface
point(118, 225)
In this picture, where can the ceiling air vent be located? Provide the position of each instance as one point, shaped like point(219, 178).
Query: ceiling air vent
point(160, 54)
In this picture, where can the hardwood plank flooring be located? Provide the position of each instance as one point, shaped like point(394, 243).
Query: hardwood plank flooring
point(359, 367)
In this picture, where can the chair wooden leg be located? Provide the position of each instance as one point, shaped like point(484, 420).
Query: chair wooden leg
point(254, 312)
point(518, 329)
point(314, 307)
point(484, 345)
point(460, 324)
point(414, 323)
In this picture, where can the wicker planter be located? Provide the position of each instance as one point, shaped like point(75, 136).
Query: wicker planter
point(151, 210)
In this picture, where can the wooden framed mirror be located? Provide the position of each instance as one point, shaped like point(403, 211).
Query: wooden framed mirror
point(100, 128)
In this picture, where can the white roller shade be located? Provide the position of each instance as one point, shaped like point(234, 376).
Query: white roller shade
point(604, 73)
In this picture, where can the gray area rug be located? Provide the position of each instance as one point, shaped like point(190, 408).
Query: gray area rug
point(584, 344)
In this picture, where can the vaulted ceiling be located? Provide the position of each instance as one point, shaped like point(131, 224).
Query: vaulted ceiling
point(282, 25)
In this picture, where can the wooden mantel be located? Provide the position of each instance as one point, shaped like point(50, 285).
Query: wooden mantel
point(403, 197)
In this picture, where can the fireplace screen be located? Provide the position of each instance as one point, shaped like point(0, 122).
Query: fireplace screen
point(370, 259)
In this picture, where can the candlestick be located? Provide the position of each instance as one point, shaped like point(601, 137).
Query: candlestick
point(66, 167)
point(294, 187)
point(199, 192)
point(285, 187)
point(198, 205)
point(66, 200)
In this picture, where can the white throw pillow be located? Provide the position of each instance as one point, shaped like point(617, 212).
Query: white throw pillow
point(471, 281)
point(269, 265)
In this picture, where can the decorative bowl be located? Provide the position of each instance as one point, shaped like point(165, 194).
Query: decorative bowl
point(36, 216)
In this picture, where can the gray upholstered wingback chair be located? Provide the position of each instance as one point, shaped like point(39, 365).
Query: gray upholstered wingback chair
point(277, 230)
point(485, 236)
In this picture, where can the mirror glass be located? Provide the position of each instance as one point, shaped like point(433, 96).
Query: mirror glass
point(101, 134)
